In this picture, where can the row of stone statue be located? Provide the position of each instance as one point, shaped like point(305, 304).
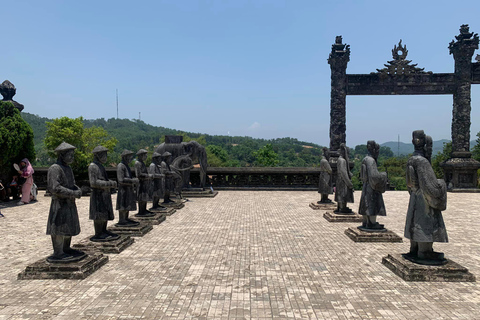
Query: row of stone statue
point(160, 180)
point(428, 196)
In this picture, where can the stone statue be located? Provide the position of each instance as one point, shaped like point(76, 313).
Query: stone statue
point(101, 208)
point(173, 180)
point(63, 220)
point(126, 196)
point(343, 183)
point(8, 90)
point(155, 170)
point(428, 198)
point(325, 181)
point(374, 184)
point(144, 179)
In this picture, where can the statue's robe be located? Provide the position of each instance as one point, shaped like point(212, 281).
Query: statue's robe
point(325, 181)
point(63, 215)
point(158, 180)
point(374, 184)
point(101, 207)
point(143, 181)
point(428, 198)
point(126, 195)
point(343, 183)
point(173, 179)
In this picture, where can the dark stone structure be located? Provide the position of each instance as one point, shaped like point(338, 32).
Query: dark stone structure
point(8, 90)
point(409, 271)
point(113, 246)
point(400, 77)
point(385, 235)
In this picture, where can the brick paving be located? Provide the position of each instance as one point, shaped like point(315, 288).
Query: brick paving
point(242, 255)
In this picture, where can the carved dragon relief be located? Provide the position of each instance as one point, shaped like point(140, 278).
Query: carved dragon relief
point(400, 65)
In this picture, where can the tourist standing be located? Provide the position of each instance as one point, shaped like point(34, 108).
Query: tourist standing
point(26, 171)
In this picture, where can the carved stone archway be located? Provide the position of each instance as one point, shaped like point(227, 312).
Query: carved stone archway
point(400, 77)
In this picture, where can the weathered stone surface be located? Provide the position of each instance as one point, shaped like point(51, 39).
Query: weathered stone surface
point(199, 193)
point(8, 90)
point(334, 217)
point(153, 220)
point(114, 246)
point(358, 235)
point(323, 206)
point(135, 231)
point(177, 204)
point(74, 270)
point(409, 271)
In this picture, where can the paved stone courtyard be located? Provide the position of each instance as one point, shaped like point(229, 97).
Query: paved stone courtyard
point(242, 255)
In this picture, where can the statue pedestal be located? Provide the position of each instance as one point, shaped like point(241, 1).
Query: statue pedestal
point(409, 271)
point(173, 205)
point(323, 206)
point(461, 174)
point(73, 270)
point(153, 220)
point(165, 212)
point(199, 193)
point(135, 231)
point(115, 246)
point(386, 235)
point(334, 217)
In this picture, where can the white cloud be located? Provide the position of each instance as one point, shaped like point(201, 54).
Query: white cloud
point(254, 126)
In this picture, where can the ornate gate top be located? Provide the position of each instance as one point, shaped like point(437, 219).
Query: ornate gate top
point(400, 65)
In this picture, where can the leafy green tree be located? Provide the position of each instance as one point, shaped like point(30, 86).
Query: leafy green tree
point(476, 149)
point(441, 157)
point(16, 139)
point(266, 156)
point(85, 139)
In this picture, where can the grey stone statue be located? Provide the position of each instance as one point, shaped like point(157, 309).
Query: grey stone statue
point(343, 183)
point(8, 90)
point(155, 169)
point(374, 184)
point(428, 198)
point(325, 181)
point(63, 220)
point(173, 180)
point(101, 208)
point(144, 179)
point(126, 200)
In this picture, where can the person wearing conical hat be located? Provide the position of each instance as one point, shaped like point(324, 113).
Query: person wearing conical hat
point(144, 179)
point(101, 208)
point(158, 182)
point(126, 200)
point(63, 222)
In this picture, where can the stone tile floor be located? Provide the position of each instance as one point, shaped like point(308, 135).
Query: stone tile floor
point(241, 255)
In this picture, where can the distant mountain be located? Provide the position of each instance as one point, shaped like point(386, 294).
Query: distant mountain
point(407, 148)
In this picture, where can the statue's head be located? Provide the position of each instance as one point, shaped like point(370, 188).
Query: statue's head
point(343, 151)
point(418, 139)
point(100, 154)
point(127, 156)
point(65, 152)
point(326, 154)
point(156, 158)
point(373, 148)
point(167, 156)
point(142, 155)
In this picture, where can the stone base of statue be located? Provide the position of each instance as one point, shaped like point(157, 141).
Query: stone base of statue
point(409, 271)
point(199, 193)
point(331, 216)
point(175, 204)
point(328, 206)
point(359, 234)
point(133, 231)
point(165, 211)
point(114, 246)
point(157, 218)
point(73, 270)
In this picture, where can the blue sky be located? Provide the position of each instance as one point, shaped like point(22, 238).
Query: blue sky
point(250, 68)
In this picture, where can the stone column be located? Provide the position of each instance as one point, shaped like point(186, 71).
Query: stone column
point(338, 60)
point(461, 170)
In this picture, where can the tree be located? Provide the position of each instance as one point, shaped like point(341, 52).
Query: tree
point(476, 149)
point(16, 139)
point(266, 157)
point(85, 139)
point(441, 157)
